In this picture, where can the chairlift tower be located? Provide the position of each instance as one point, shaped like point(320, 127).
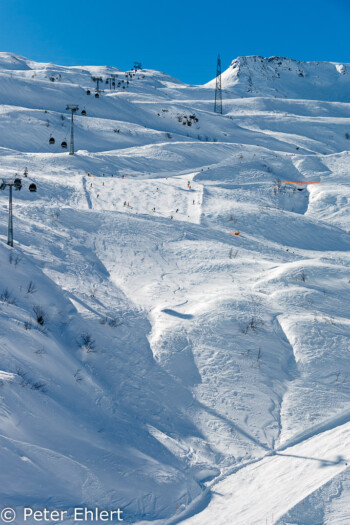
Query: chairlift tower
point(10, 184)
point(111, 81)
point(218, 91)
point(97, 80)
point(73, 109)
point(137, 66)
point(17, 184)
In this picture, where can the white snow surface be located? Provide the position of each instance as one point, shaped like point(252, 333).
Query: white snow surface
point(174, 317)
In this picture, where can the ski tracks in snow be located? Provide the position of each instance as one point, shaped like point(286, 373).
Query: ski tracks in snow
point(87, 195)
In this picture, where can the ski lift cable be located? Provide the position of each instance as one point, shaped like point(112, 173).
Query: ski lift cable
point(57, 144)
point(56, 132)
point(58, 129)
point(64, 142)
point(41, 146)
point(85, 104)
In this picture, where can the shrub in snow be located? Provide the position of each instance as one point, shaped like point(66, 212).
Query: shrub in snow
point(41, 351)
point(39, 314)
point(301, 276)
point(253, 324)
point(77, 376)
point(14, 259)
point(111, 321)
point(87, 342)
point(38, 385)
point(27, 325)
point(33, 385)
point(31, 288)
point(6, 297)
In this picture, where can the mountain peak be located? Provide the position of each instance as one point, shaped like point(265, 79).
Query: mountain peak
point(284, 77)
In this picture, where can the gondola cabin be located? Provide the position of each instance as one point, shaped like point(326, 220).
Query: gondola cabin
point(88, 92)
point(64, 144)
point(51, 140)
point(32, 187)
point(17, 184)
point(97, 95)
point(83, 112)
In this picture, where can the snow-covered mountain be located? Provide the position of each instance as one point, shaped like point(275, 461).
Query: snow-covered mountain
point(174, 317)
point(286, 78)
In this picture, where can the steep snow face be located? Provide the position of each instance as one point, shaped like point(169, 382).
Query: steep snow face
point(174, 316)
point(286, 78)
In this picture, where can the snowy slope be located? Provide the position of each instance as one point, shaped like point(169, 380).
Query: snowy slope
point(179, 371)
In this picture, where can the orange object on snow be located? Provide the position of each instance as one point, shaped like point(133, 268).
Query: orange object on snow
point(293, 182)
point(237, 233)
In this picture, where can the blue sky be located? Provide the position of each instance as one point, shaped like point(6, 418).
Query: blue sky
point(181, 38)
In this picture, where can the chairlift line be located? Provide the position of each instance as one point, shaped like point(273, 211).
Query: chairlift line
point(112, 83)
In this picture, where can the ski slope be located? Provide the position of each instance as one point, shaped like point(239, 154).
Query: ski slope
point(173, 316)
